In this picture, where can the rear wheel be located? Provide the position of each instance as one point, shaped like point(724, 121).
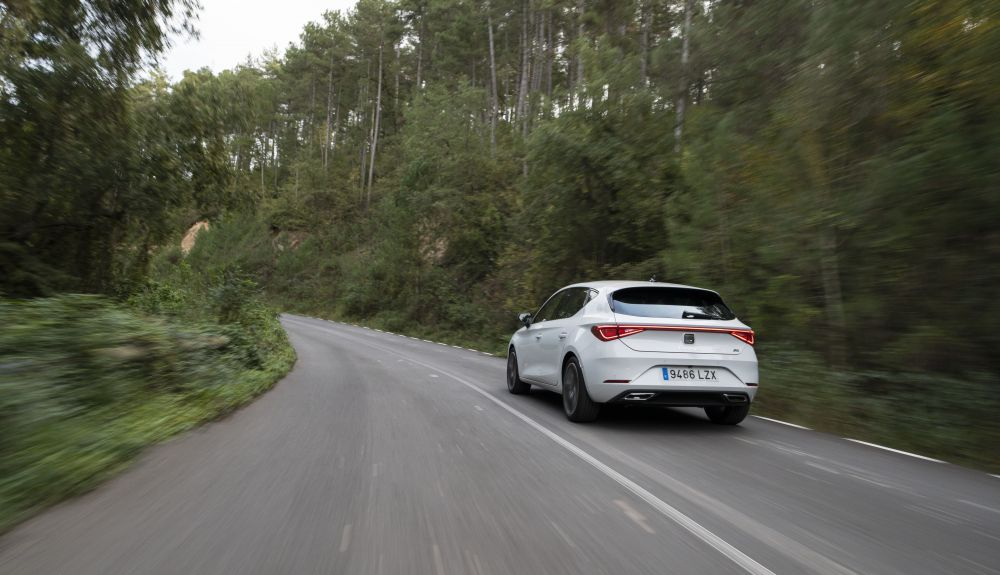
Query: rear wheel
point(727, 415)
point(515, 384)
point(576, 401)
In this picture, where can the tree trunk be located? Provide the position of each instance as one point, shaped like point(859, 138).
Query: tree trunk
point(312, 111)
point(395, 94)
point(329, 102)
point(523, 99)
point(682, 85)
point(493, 88)
point(336, 121)
point(375, 129)
point(644, 42)
point(549, 58)
point(536, 70)
point(522, 91)
point(579, 39)
point(420, 53)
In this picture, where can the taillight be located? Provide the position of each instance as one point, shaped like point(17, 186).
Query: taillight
point(610, 332)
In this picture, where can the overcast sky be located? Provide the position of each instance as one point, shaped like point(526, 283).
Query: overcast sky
point(231, 29)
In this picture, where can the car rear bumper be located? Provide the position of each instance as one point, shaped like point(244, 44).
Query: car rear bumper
point(618, 371)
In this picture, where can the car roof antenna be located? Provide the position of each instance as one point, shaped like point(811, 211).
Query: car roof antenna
point(653, 278)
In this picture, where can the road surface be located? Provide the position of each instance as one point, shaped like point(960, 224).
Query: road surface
point(384, 454)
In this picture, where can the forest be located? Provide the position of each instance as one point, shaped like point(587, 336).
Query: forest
point(436, 166)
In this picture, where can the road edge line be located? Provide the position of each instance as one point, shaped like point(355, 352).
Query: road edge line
point(795, 425)
point(877, 446)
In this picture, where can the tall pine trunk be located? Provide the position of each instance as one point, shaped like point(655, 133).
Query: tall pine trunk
point(375, 129)
point(329, 102)
point(493, 89)
point(644, 42)
point(682, 87)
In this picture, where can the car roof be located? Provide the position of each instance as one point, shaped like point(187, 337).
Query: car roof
point(611, 285)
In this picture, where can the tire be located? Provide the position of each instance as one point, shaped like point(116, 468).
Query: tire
point(727, 415)
point(515, 384)
point(576, 401)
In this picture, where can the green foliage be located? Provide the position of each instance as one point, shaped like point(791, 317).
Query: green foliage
point(86, 384)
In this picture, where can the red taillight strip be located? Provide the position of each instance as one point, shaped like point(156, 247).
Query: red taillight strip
point(610, 332)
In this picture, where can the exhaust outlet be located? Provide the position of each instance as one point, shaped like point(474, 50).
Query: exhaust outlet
point(734, 398)
point(639, 396)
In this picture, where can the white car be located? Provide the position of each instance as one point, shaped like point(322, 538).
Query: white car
point(636, 342)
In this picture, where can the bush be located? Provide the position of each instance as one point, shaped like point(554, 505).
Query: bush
point(86, 383)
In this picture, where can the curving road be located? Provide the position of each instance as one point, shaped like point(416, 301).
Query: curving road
point(384, 454)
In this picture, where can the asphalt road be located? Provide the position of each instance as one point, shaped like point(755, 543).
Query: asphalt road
point(384, 454)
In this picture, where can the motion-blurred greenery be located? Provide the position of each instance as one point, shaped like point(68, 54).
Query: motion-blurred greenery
point(86, 383)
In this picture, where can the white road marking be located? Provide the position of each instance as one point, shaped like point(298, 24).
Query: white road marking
point(696, 529)
point(782, 422)
point(877, 446)
point(477, 408)
point(434, 375)
point(634, 515)
point(974, 504)
point(994, 475)
point(486, 353)
point(345, 538)
point(692, 526)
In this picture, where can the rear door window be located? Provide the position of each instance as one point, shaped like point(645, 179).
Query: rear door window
point(673, 303)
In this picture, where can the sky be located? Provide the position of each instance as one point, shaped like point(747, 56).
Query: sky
point(232, 29)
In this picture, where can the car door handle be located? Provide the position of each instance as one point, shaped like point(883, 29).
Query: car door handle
point(562, 335)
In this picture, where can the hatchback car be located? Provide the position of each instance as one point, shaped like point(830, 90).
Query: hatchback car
point(636, 343)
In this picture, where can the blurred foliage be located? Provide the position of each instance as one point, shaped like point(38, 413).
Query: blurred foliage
point(85, 384)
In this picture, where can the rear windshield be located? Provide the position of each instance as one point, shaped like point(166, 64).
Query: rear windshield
point(677, 303)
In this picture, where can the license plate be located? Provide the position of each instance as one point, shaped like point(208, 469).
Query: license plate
point(689, 374)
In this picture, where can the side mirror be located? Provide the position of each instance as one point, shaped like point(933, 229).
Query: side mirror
point(524, 318)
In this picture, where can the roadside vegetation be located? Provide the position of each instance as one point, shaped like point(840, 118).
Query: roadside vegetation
point(86, 382)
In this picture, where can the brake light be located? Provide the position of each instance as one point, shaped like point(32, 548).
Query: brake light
point(610, 332)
